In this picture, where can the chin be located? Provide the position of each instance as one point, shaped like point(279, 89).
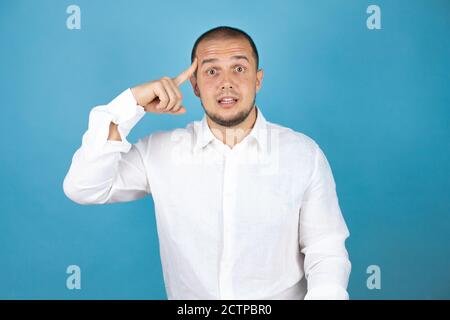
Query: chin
point(228, 117)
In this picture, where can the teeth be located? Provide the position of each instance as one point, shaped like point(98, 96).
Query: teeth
point(227, 100)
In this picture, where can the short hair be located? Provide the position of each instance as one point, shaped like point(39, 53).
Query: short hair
point(225, 32)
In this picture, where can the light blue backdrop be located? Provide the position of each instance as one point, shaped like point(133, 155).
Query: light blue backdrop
point(377, 101)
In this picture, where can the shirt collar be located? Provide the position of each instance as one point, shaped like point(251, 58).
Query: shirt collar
point(259, 133)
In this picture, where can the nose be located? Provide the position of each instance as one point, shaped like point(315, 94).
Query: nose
point(226, 83)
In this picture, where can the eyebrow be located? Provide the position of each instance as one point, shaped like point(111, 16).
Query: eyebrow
point(233, 57)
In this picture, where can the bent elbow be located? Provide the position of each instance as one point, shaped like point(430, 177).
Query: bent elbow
point(79, 195)
point(71, 192)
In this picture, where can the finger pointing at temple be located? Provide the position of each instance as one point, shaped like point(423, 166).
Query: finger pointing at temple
point(163, 95)
point(182, 77)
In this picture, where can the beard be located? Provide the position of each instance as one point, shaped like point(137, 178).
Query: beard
point(237, 119)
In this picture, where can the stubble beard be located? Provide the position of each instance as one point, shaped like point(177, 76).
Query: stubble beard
point(236, 120)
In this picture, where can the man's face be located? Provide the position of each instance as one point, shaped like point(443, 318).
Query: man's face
point(226, 79)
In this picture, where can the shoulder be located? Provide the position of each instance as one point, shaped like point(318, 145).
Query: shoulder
point(294, 141)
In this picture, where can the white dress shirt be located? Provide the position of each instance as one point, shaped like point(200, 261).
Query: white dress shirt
point(260, 220)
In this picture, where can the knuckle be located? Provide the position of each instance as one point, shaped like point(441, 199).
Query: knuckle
point(162, 83)
point(170, 93)
point(160, 86)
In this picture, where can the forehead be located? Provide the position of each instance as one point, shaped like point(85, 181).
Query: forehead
point(224, 48)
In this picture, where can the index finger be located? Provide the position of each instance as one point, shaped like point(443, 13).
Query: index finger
point(182, 77)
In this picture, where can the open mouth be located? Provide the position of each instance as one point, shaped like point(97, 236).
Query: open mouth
point(227, 102)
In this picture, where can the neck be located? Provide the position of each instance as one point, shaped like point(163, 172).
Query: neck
point(231, 136)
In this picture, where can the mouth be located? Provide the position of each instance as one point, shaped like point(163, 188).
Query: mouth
point(227, 101)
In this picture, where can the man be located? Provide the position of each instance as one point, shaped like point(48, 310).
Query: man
point(245, 209)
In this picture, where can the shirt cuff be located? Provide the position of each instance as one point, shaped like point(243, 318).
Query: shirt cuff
point(123, 111)
point(124, 107)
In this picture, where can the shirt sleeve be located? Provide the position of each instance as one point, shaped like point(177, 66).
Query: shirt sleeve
point(322, 235)
point(104, 171)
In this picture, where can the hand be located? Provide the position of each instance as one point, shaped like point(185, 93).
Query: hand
point(163, 95)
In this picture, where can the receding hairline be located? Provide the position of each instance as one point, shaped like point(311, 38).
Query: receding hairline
point(222, 35)
point(226, 38)
point(226, 33)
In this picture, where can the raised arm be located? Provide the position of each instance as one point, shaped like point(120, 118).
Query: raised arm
point(107, 168)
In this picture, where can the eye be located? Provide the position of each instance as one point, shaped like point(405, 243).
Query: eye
point(211, 72)
point(239, 69)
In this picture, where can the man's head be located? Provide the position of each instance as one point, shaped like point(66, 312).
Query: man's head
point(227, 78)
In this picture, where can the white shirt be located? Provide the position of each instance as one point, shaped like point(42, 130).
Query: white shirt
point(251, 222)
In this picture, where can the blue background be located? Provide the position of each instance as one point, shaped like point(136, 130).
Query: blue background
point(377, 101)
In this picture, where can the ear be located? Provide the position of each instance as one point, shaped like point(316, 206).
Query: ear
point(193, 80)
point(259, 78)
